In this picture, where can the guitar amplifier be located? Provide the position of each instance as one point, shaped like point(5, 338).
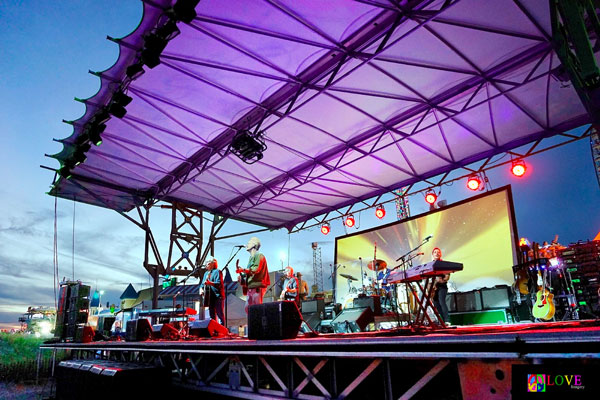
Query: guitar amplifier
point(373, 302)
point(496, 297)
point(468, 301)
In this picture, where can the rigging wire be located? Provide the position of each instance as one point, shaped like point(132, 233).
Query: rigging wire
point(73, 244)
point(55, 255)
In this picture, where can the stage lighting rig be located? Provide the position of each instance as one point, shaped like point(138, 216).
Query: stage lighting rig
point(380, 211)
point(325, 228)
point(430, 197)
point(349, 221)
point(474, 183)
point(518, 168)
point(118, 103)
point(185, 10)
point(248, 146)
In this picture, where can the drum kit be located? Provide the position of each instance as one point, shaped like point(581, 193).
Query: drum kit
point(369, 287)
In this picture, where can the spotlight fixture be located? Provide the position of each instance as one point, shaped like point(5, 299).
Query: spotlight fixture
point(65, 172)
point(325, 228)
point(153, 47)
point(430, 197)
point(474, 182)
point(380, 211)
point(248, 146)
point(118, 103)
point(349, 221)
point(79, 153)
point(94, 132)
point(518, 168)
point(136, 70)
point(184, 10)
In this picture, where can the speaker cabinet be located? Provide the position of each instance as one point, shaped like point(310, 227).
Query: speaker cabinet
point(353, 320)
point(138, 330)
point(496, 297)
point(278, 320)
point(207, 328)
point(373, 302)
point(313, 306)
point(468, 301)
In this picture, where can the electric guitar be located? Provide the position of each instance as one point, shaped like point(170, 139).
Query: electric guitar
point(244, 274)
point(544, 304)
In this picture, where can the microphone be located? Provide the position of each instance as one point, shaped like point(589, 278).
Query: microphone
point(427, 238)
point(240, 246)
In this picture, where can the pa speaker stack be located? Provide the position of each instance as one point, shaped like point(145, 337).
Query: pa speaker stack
point(278, 320)
point(73, 310)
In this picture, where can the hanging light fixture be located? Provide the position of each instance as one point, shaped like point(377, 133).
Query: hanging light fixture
point(518, 168)
point(430, 197)
point(349, 221)
point(380, 211)
point(325, 228)
point(474, 182)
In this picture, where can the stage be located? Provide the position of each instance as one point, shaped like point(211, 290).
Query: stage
point(469, 362)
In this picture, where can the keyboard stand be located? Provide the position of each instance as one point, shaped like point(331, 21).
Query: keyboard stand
point(424, 303)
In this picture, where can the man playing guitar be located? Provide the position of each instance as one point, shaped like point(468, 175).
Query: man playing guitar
point(255, 278)
point(290, 286)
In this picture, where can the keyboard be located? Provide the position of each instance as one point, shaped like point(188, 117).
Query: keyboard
point(433, 268)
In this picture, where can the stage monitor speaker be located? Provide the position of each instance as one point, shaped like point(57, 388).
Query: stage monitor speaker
point(373, 302)
point(313, 320)
point(278, 320)
point(138, 330)
point(207, 328)
point(353, 320)
point(84, 334)
point(494, 298)
point(168, 331)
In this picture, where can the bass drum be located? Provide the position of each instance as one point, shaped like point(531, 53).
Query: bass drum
point(405, 300)
point(348, 301)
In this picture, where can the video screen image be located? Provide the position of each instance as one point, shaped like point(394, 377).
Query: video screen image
point(478, 232)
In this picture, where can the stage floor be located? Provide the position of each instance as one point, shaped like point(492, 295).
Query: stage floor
point(571, 339)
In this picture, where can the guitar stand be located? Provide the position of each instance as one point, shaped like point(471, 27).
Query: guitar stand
point(424, 303)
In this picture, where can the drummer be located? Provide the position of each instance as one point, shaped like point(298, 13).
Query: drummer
point(386, 289)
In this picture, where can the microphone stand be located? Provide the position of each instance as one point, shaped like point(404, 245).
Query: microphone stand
point(334, 275)
point(223, 283)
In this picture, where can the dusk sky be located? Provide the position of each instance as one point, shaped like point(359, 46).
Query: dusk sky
point(47, 48)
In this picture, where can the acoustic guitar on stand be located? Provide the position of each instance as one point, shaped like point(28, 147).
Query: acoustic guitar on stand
point(244, 274)
point(544, 303)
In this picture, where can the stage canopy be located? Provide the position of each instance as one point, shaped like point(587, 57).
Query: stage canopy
point(354, 98)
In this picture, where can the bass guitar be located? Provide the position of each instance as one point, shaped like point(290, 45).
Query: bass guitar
point(244, 274)
point(544, 304)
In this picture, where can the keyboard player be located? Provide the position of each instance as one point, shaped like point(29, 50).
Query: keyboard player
point(441, 288)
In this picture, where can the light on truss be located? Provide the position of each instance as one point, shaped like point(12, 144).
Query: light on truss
point(474, 182)
point(380, 211)
point(325, 228)
point(430, 197)
point(349, 221)
point(518, 168)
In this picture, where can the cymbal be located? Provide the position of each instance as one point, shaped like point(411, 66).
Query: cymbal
point(350, 277)
point(376, 265)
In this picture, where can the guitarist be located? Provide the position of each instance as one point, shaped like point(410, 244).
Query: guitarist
point(290, 287)
point(256, 272)
point(213, 290)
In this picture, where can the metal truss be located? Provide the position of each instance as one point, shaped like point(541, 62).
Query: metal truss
point(286, 370)
point(447, 178)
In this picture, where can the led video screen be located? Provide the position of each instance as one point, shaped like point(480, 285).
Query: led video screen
point(479, 232)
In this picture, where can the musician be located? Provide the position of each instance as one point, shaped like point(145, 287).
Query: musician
point(290, 286)
point(382, 283)
point(213, 290)
point(441, 288)
point(302, 286)
point(258, 279)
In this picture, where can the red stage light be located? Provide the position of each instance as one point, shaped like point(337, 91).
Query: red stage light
point(325, 229)
point(380, 211)
point(349, 221)
point(518, 168)
point(430, 197)
point(474, 183)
